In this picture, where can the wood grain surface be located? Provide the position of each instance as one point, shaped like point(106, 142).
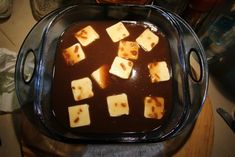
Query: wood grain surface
point(200, 142)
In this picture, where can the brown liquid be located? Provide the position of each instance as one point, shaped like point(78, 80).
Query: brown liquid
point(103, 51)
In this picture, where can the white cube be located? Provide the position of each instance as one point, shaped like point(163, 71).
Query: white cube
point(121, 67)
point(147, 40)
point(87, 35)
point(82, 89)
point(158, 71)
point(79, 115)
point(128, 49)
point(117, 32)
point(118, 105)
point(73, 54)
point(154, 107)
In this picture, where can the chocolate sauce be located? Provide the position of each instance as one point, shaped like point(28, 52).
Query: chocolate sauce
point(138, 86)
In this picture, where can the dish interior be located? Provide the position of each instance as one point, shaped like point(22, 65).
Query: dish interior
point(138, 86)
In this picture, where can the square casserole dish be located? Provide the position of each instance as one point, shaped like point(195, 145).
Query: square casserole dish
point(35, 93)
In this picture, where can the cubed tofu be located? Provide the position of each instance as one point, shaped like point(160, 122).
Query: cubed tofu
point(73, 54)
point(147, 40)
point(82, 89)
point(121, 67)
point(158, 71)
point(101, 76)
point(87, 35)
point(128, 49)
point(117, 32)
point(118, 105)
point(79, 115)
point(154, 107)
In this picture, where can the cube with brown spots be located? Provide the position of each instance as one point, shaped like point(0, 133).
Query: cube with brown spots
point(154, 107)
point(82, 89)
point(158, 71)
point(121, 67)
point(87, 35)
point(73, 54)
point(117, 32)
point(147, 40)
point(128, 50)
point(79, 115)
point(118, 105)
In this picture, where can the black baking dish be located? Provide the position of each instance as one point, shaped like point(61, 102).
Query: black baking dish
point(35, 94)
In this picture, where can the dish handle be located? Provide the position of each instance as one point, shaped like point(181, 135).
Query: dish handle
point(28, 62)
point(196, 72)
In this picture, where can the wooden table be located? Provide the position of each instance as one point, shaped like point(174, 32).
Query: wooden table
point(200, 142)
